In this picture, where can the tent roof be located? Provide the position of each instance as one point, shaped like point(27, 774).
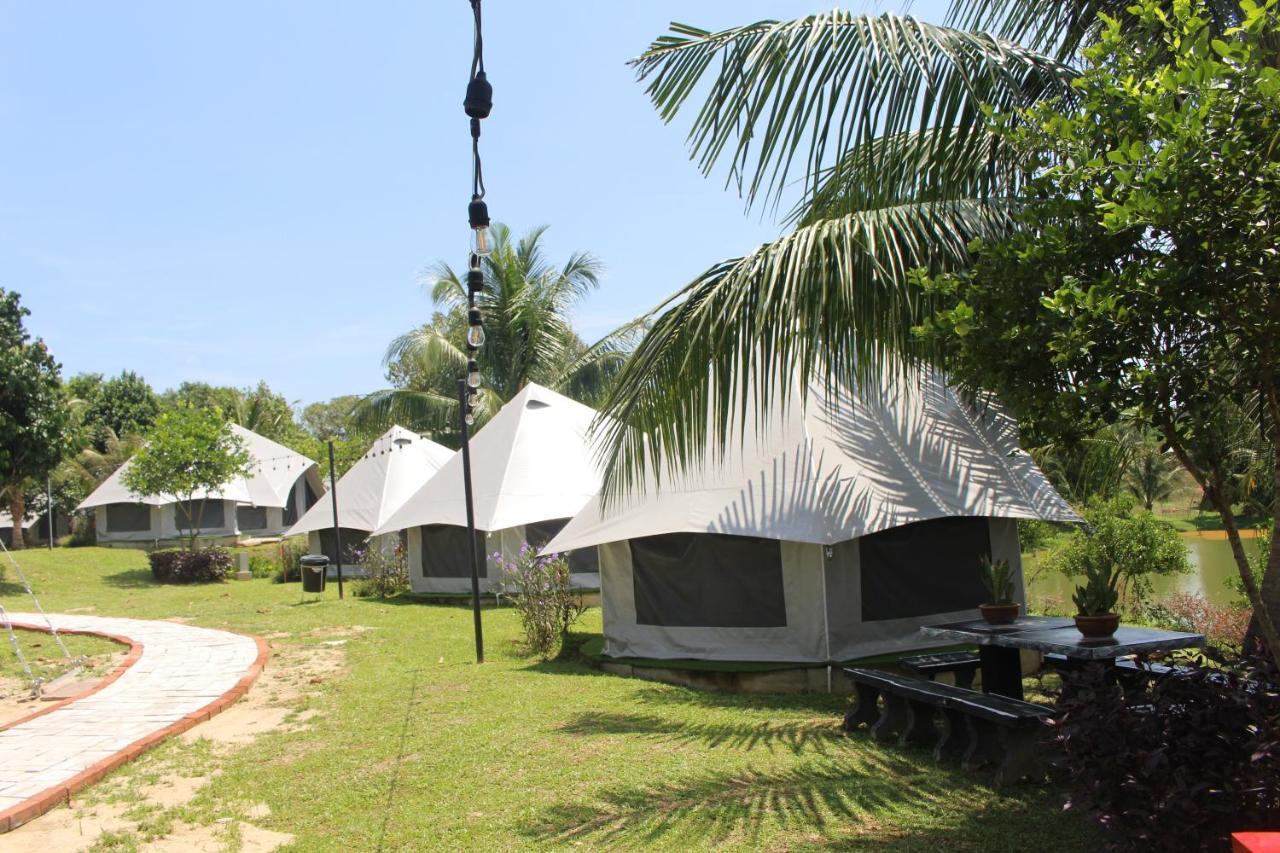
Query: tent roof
point(6, 519)
point(530, 463)
point(839, 466)
point(273, 469)
point(397, 464)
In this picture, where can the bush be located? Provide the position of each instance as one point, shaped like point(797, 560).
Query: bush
point(540, 588)
point(1222, 624)
point(291, 553)
point(388, 571)
point(206, 565)
point(262, 567)
point(1179, 763)
point(82, 533)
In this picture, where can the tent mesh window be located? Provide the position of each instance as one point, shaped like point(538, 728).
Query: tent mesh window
point(291, 508)
point(351, 540)
point(251, 517)
point(128, 518)
point(923, 568)
point(208, 515)
point(445, 554)
point(309, 496)
point(584, 561)
point(708, 580)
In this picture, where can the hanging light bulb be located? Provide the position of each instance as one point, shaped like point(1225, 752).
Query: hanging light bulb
point(475, 331)
point(473, 374)
point(470, 419)
point(478, 216)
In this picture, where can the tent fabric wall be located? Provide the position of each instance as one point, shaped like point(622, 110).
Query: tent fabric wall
point(803, 638)
point(506, 542)
point(822, 596)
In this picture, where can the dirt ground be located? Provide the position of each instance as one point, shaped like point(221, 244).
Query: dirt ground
point(141, 808)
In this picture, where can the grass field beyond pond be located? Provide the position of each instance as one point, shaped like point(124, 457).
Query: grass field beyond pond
point(413, 746)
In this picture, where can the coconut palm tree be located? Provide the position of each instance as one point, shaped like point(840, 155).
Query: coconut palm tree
point(873, 131)
point(526, 304)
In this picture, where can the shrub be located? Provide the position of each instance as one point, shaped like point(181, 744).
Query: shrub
point(1222, 624)
point(540, 588)
point(205, 565)
point(82, 533)
point(262, 567)
point(388, 571)
point(291, 553)
point(1177, 764)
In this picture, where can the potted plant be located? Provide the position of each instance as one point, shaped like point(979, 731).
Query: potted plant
point(997, 577)
point(1096, 602)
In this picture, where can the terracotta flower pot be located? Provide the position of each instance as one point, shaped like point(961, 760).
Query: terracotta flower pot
point(1000, 614)
point(1097, 627)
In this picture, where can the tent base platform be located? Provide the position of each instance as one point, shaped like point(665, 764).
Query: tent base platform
point(590, 597)
point(754, 677)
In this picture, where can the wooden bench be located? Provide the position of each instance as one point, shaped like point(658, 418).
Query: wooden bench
point(976, 728)
point(963, 664)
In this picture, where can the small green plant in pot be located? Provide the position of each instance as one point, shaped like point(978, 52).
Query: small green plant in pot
point(1096, 602)
point(997, 577)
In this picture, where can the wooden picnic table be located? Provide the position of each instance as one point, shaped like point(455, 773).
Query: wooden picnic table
point(999, 645)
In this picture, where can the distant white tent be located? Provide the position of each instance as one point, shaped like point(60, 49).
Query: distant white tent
point(394, 467)
point(834, 529)
point(281, 484)
point(531, 470)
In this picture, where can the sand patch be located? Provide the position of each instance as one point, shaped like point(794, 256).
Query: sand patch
point(68, 829)
point(216, 839)
point(339, 631)
point(15, 699)
point(291, 674)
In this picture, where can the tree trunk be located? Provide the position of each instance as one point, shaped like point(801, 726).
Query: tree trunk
point(17, 510)
point(1262, 615)
point(1270, 592)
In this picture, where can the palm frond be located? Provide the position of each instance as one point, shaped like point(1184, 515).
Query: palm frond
point(792, 97)
point(833, 299)
point(420, 411)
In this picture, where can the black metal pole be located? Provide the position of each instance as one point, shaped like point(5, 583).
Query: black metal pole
point(337, 528)
point(471, 518)
point(48, 503)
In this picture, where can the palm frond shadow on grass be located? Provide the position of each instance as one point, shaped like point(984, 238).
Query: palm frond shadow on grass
point(811, 737)
point(851, 798)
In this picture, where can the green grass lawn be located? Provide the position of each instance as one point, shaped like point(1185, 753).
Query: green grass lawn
point(415, 747)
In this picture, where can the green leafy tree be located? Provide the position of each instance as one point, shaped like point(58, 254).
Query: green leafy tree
point(1153, 476)
point(36, 429)
point(258, 409)
point(1133, 546)
point(1145, 277)
point(330, 418)
point(526, 304)
point(190, 451)
point(125, 405)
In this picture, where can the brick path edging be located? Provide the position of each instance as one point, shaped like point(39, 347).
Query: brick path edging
point(51, 797)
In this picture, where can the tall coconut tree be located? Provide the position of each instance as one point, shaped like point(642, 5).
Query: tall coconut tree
point(873, 131)
point(527, 302)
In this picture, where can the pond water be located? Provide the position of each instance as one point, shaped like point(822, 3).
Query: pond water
point(1211, 560)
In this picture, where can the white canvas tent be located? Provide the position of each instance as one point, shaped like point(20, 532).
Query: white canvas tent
point(395, 466)
point(531, 470)
point(833, 530)
point(280, 485)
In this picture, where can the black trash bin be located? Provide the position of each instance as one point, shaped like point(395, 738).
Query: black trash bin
point(314, 569)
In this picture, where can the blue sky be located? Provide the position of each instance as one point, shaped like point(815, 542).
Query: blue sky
point(238, 191)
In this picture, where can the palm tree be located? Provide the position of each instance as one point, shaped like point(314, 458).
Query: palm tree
point(526, 304)
point(877, 126)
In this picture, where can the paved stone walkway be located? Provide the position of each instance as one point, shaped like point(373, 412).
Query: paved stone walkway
point(175, 677)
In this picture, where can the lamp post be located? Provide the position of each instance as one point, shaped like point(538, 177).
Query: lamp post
point(333, 495)
point(477, 104)
point(48, 504)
